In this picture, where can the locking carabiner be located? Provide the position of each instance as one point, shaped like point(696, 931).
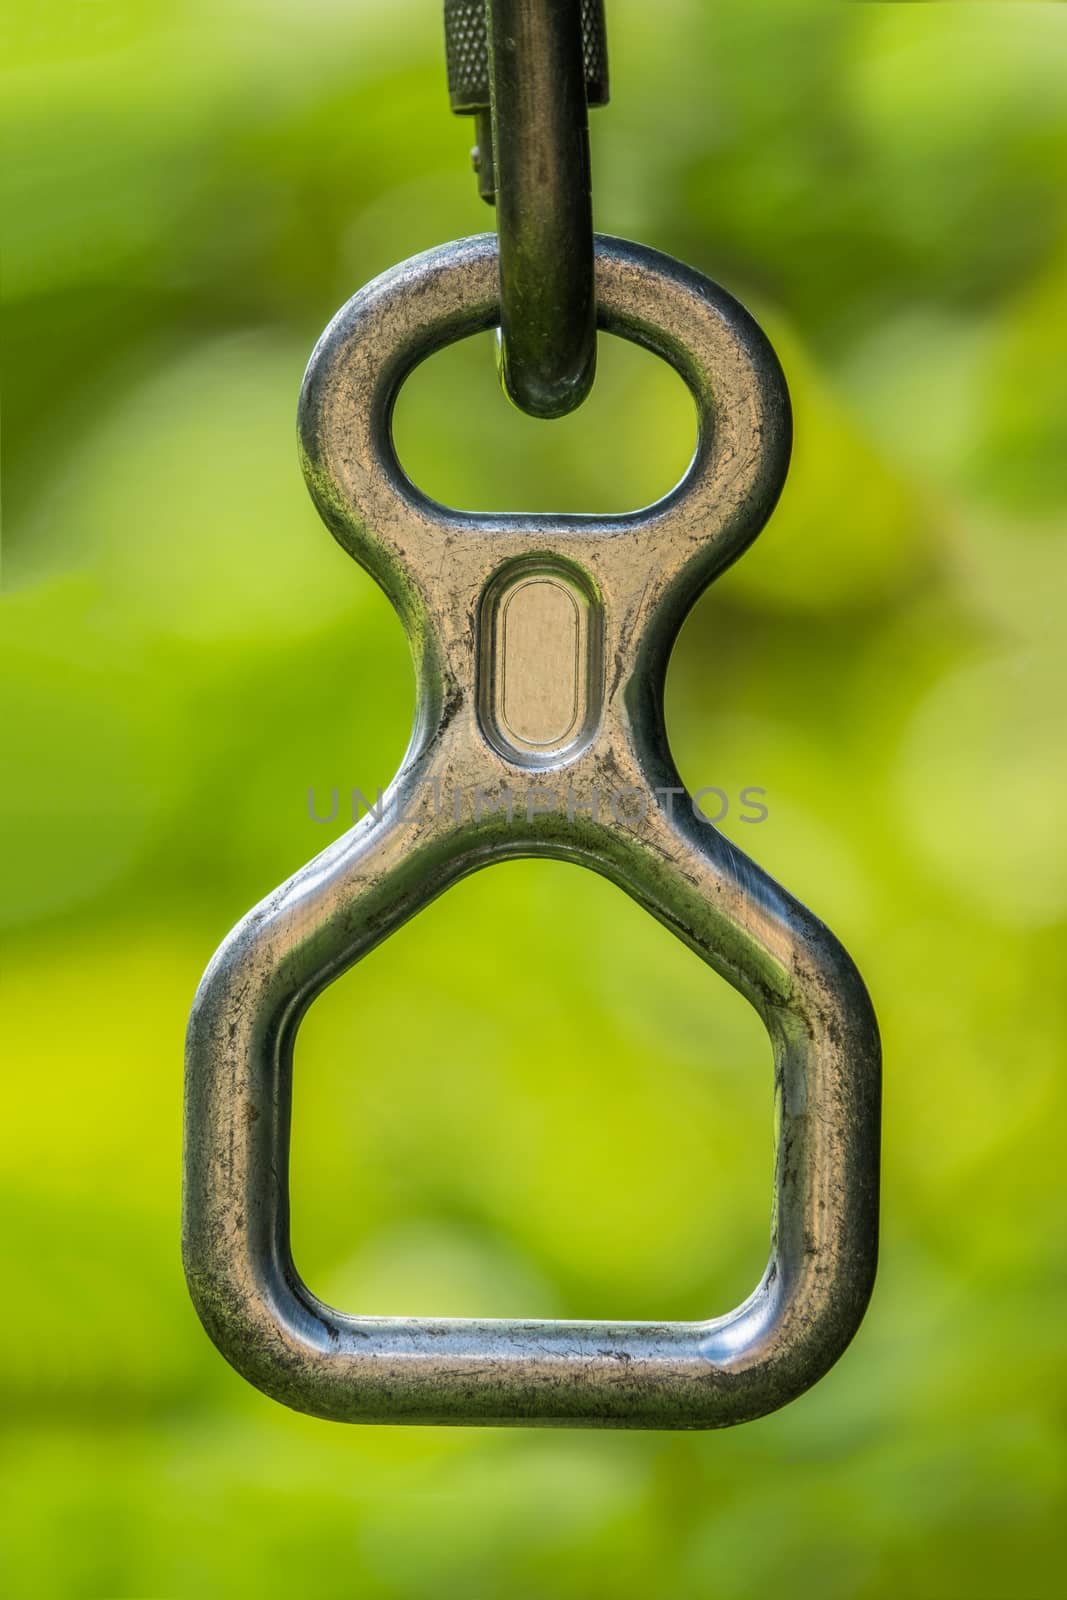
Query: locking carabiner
point(537, 64)
point(541, 648)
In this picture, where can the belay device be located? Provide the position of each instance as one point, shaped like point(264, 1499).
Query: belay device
point(541, 645)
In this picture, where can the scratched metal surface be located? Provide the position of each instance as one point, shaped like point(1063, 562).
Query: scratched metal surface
point(629, 581)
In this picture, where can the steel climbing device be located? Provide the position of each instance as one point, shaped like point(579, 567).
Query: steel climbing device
point(541, 645)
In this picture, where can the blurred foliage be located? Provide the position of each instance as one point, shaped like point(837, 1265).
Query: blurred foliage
point(533, 1100)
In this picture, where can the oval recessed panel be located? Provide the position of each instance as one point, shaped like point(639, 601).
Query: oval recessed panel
point(538, 663)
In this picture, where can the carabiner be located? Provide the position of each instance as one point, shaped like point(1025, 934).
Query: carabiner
point(538, 64)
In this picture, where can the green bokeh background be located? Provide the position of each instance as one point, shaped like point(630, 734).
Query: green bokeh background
point(533, 1101)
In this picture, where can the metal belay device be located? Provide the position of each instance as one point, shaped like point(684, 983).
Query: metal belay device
point(541, 646)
